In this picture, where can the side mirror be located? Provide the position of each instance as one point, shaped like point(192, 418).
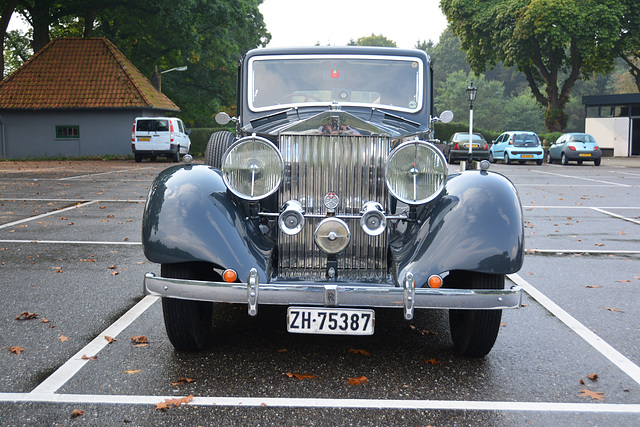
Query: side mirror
point(188, 131)
point(222, 118)
point(446, 116)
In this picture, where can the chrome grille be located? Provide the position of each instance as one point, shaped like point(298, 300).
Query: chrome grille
point(353, 168)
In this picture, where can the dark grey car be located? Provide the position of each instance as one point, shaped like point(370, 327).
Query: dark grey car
point(458, 147)
point(326, 200)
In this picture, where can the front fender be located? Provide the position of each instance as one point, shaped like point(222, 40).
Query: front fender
point(190, 216)
point(477, 225)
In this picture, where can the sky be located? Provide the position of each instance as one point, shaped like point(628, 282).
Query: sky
point(336, 22)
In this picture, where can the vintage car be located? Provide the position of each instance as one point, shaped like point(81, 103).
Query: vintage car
point(329, 199)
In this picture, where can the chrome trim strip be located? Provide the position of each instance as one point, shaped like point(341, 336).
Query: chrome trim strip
point(347, 294)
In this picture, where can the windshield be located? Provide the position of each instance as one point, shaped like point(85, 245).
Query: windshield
point(373, 81)
point(525, 140)
point(582, 138)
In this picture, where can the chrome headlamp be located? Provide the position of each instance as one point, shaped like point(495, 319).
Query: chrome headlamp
point(416, 172)
point(252, 168)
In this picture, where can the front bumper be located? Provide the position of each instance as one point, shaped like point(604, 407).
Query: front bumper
point(333, 294)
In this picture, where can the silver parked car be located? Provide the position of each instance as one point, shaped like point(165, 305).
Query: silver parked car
point(575, 147)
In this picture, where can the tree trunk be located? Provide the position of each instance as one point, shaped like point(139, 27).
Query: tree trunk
point(4, 24)
point(41, 21)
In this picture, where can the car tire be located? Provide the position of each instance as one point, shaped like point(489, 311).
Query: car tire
point(189, 324)
point(549, 158)
point(176, 156)
point(491, 159)
point(539, 162)
point(507, 160)
point(217, 145)
point(474, 332)
point(596, 162)
point(137, 157)
point(564, 160)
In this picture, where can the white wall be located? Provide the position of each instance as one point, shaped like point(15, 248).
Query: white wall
point(610, 132)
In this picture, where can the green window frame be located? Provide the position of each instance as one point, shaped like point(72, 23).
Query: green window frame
point(68, 132)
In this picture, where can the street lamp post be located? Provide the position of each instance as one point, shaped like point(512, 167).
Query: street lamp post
point(471, 96)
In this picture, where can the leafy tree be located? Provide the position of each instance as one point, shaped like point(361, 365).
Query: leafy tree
point(629, 49)
point(547, 40)
point(373, 40)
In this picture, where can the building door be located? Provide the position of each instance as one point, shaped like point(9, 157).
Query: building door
point(634, 148)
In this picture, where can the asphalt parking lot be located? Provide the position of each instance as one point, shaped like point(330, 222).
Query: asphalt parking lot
point(71, 270)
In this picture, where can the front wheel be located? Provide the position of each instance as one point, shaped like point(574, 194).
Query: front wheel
point(217, 145)
point(189, 324)
point(474, 332)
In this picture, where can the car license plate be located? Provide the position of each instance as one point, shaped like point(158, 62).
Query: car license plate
point(144, 138)
point(527, 156)
point(585, 154)
point(332, 321)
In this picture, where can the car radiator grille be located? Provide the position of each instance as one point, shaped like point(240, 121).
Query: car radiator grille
point(352, 167)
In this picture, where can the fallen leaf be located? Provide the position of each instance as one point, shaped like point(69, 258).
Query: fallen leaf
point(27, 316)
point(77, 413)
point(62, 338)
point(131, 371)
point(88, 260)
point(114, 273)
point(140, 345)
point(140, 339)
point(593, 286)
point(599, 244)
point(592, 394)
point(362, 352)
point(183, 380)
point(613, 309)
point(282, 350)
point(16, 349)
point(175, 402)
point(593, 377)
point(110, 339)
point(432, 362)
point(623, 281)
point(85, 357)
point(300, 376)
point(43, 320)
point(582, 382)
point(358, 380)
point(112, 267)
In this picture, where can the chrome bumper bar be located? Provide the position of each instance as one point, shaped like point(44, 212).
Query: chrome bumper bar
point(332, 294)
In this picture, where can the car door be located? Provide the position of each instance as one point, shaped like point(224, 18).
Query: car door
point(556, 148)
point(160, 136)
point(498, 147)
point(143, 134)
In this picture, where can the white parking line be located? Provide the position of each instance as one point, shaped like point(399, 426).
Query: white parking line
point(287, 402)
point(56, 212)
point(93, 174)
point(622, 362)
point(583, 178)
point(73, 365)
point(72, 242)
point(616, 215)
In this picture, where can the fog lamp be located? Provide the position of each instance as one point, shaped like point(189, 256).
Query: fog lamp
point(332, 235)
point(291, 220)
point(373, 220)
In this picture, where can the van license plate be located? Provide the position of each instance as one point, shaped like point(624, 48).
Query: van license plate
point(331, 321)
point(144, 138)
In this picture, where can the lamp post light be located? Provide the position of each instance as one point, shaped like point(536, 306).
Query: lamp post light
point(471, 96)
point(156, 79)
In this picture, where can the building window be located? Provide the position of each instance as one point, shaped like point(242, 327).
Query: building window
point(67, 132)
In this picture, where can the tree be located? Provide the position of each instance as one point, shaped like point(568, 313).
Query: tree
point(629, 49)
point(7, 9)
point(553, 42)
point(373, 40)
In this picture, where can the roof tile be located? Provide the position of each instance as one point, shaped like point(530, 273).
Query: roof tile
point(80, 73)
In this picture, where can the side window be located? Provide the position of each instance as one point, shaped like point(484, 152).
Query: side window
point(181, 126)
point(501, 138)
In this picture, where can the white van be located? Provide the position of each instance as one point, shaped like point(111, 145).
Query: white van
point(159, 136)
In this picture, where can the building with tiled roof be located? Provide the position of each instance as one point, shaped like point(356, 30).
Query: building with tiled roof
point(75, 97)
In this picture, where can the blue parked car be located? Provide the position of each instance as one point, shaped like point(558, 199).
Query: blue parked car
point(575, 147)
point(517, 146)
